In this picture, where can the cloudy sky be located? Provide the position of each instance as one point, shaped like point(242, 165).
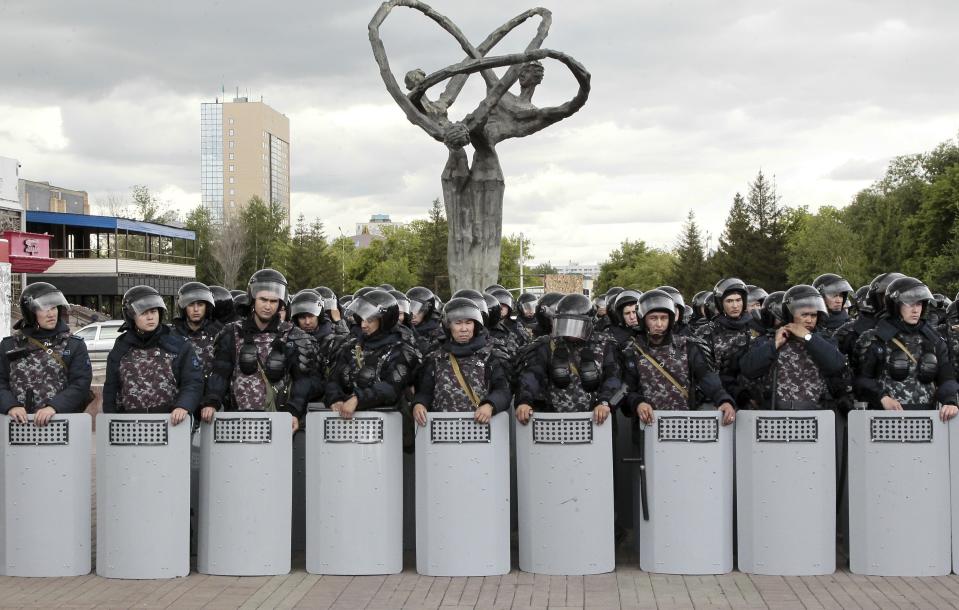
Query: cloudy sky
point(689, 100)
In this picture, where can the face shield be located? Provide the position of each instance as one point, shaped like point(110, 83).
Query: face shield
point(462, 313)
point(146, 303)
point(661, 302)
point(48, 301)
point(528, 308)
point(814, 303)
point(193, 296)
point(417, 306)
point(365, 310)
point(311, 307)
point(836, 288)
point(273, 290)
point(404, 305)
point(573, 327)
point(329, 304)
point(916, 294)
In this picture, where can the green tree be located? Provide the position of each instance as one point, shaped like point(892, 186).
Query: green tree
point(311, 261)
point(688, 273)
point(148, 207)
point(198, 221)
point(433, 269)
point(730, 258)
point(386, 260)
point(267, 237)
point(509, 261)
point(766, 254)
point(822, 243)
point(634, 265)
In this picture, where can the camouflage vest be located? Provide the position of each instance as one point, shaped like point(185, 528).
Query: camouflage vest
point(796, 376)
point(363, 356)
point(253, 392)
point(657, 390)
point(203, 344)
point(146, 380)
point(910, 391)
point(951, 334)
point(448, 394)
point(728, 345)
point(505, 342)
point(573, 398)
point(38, 376)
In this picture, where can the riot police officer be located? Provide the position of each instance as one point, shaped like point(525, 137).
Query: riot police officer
point(870, 311)
point(260, 362)
point(44, 370)
point(796, 362)
point(423, 317)
point(374, 369)
point(623, 319)
point(754, 298)
point(195, 322)
point(727, 336)
point(570, 370)
point(545, 306)
point(467, 373)
point(663, 369)
point(526, 312)
point(331, 308)
point(683, 312)
point(835, 291)
point(699, 317)
point(904, 363)
point(499, 335)
point(222, 305)
point(507, 309)
point(149, 369)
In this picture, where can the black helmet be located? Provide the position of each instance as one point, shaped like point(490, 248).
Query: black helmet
point(545, 307)
point(505, 298)
point(422, 300)
point(724, 287)
point(191, 292)
point(222, 304)
point(492, 307)
point(801, 296)
point(877, 290)
point(906, 291)
point(477, 297)
point(614, 310)
point(376, 304)
point(599, 301)
point(461, 308)
point(328, 297)
point(658, 300)
point(140, 299)
point(306, 301)
point(573, 317)
point(755, 294)
point(699, 303)
point(678, 300)
point(611, 294)
point(941, 300)
point(386, 287)
point(402, 301)
point(526, 304)
point(831, 284)
point(267, 280)
point(771, 312)
point(493, 287)
point(242, 304)
point(859, 302)
point(40, 296)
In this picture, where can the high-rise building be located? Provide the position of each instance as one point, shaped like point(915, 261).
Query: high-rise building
point(244, 152)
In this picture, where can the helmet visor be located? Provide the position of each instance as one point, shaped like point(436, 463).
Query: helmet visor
point(574, 327)
point(274, 290)
point(528, 308)
point(365, 310)
point(796, 306)
point(659, 302)
point(192, 296)
point(916, 294)
point(836, 288)
point(463, 313)
point(329, 304)
point(48, 301)
point(146, 303)
point(404, 306)
point(416, 306)
point(311, 307)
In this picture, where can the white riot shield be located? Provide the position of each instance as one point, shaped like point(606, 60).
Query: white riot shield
point(45, 497)
point(143, 496)
point(246, 489)
point(564, 465)
point(689, 479)
point(354, 493)
point(786, 492)
point(462, 496)
point(899, 517)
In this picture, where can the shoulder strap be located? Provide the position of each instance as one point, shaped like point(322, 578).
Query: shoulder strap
point(50, 351)
point(682, 390)
point(902, 346)
point(463, 383)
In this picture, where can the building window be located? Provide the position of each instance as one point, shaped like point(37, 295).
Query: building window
point(232, 191)
point(231, 156)
point(231, 121)
point(232, 179)
point(232, 133)
point(232, 167)
point(232, 144)
point(232, 204)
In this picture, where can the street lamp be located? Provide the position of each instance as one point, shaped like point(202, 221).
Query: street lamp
point(342, 261)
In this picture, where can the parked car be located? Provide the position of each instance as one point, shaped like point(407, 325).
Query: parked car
point(99, 338)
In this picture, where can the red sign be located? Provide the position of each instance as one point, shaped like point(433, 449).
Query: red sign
point(29, 252)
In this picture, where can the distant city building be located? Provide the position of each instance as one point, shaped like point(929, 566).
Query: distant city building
point(244, 152)
point(11, 212)
point(44, 197)
point(590, 270)
point(366, 232)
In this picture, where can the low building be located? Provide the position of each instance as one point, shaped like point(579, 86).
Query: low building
point(98, 258)
point(366, 232)
point(45, 197)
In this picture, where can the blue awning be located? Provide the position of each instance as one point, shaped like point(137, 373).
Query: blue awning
point(110, 223)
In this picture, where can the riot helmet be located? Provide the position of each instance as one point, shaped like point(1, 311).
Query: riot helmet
point(859, 302)
point(611, 294)
point(492, 307)
point(527, 305)
point(493, 287)
point(403, 302)
point(376, 305)
point(906, 291)
point(545, 308)
point(802, 296)
point(461, 308)
point(614, 310)
point(573, 317)
point(191, 292)
point(270, 281)
point(222, 304)
point(657, 300)
point(242, 305)
point(831, 285)
point(877, 291)
point(724, 288)
point(699, 304)
point(681, 313)
point(328, 297)
point(505, 299)
point(140, 299)
point(477, 297)
point(771, 313)
point(306, 301)
point(41, 296)
point(599, 302)
point(387, 287)
point(422, 301)
point(755, 296)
